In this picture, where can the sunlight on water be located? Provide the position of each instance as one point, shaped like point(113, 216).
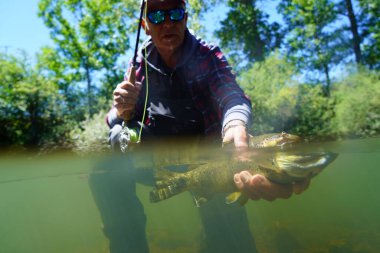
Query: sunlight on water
point(55, 204)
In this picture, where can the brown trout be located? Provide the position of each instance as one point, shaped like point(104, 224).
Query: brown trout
point(211, 178)
point(272, 140)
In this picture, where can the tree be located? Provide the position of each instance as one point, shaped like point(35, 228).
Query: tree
point(346, 8)
point(54, 68)
point(358, 104)
point(247, 33)
point(91, 36)
point(314, 42)
point(196, 9)
point(314, 112)
point(370, 26)
point(29, 104)
point(273, 92)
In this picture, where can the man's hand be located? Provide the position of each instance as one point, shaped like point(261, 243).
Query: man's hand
point(259, 187)
point(125, 98)
point(236, 132)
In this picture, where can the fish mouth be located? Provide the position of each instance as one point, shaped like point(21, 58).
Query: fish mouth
point(290, 137)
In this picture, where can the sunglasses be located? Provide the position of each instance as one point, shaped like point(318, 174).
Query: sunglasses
point(158, 16)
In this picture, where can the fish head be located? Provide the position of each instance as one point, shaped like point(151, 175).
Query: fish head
point(273, 140)
point(303, 165)
point(288, 138)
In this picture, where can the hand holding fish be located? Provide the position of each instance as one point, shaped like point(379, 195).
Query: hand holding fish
point(259, 187)
point(268, 174)
point(236, 131)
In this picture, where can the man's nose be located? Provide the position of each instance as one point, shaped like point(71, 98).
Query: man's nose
point(167, 21)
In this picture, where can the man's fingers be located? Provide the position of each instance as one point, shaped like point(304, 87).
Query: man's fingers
point(265, 189)
point(126, 93)
point(124, 100)
point(238, 182)
point(126, 85)
point(259, 187)
point(121, 107)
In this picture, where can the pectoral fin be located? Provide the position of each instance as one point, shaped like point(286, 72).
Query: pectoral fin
point(233, 197)
point(198, 199)
point(236, 196)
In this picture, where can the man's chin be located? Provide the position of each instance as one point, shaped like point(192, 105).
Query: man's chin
point(170, 39)
point(171, 45)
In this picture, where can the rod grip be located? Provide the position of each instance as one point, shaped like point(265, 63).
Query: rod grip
point(132, 75)
point(127, 115)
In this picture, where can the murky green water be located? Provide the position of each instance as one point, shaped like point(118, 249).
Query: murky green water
point(46, 205)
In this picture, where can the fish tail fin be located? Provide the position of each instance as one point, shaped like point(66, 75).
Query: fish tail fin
point(168, 184)
point(159, 194)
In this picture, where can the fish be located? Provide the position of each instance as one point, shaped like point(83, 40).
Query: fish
point(270, 140)
point(273, 140)
point(208, 179)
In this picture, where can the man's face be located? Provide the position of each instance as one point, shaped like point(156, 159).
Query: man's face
point(168, 35)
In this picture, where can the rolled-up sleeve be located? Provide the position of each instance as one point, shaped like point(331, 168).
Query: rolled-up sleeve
point(228, 98)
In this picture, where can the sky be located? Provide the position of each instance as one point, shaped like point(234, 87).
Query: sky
point(21, 28)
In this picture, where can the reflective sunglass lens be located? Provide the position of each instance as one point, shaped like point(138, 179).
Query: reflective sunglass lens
point(157, 17)
point(176, 14)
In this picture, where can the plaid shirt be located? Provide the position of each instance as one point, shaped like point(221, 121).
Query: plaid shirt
point(204, 73)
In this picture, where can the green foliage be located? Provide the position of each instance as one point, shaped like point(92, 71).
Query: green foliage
point(196, 10)
point(370, 27)
point(53, 66)
point(29, 104)
point(90, 136)
point(91, 37)
point(280, 103)
point(314, 43)
point(314, 112)
point(273, 93)
point(358, 106)
point(247, 33)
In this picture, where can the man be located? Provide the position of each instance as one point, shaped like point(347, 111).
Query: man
point(192, 91)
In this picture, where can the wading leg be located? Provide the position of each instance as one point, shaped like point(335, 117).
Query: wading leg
point(124, 221)
point(225, 228)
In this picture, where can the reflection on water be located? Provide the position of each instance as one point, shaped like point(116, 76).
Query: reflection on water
point(49, 205)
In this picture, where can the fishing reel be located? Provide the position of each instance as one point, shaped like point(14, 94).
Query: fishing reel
point(127, 136)
point(130, 135)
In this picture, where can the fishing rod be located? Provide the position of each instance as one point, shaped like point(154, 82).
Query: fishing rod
point(128, 135)
point(132, 70)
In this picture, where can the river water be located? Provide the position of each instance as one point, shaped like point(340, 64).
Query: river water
point(47, 205)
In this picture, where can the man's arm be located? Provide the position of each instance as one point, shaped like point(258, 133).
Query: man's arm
point(236, 119)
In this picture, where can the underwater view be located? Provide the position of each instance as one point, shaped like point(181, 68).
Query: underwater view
point(66, 203)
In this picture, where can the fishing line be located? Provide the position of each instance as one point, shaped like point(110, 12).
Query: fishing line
point(146, 79)
point(129, 135)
